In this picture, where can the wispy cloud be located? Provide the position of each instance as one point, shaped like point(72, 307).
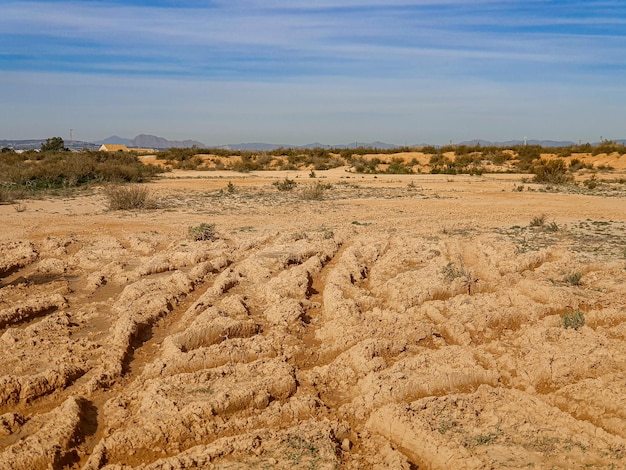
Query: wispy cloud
point(291, 36)
point(335, 58)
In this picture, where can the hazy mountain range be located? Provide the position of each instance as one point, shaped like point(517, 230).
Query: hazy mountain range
point(160, 143)
point(151, 141)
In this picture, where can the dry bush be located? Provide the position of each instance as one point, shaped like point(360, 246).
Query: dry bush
point(203, 232)
point(128, 198)
point(5, 196)
point(551, 171)
point(285, 185)
point(538, 221)
point(573, 278)
point(314, 192)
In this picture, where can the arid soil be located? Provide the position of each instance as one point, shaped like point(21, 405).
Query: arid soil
point(401, 322)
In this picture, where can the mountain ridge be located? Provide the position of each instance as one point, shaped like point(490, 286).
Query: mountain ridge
point(161, 143)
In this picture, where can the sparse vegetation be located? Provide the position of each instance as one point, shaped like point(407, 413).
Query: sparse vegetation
point(203, 232)
point(573, 278)
point(299, 449)
point(591, 183)
point(552, 172)
point(6, 196)
point(574, 320)
point(451, 272)
point(128, 198)
point(540, 222)
point(285, 185)
point(315, 192)
point(449, 159)
point(53, 170)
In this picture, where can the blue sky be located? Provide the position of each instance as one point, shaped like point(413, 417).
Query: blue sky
point(333, 71)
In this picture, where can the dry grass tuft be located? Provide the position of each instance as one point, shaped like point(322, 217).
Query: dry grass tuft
point(128, 198)
point(314, 192)
point(203, 232)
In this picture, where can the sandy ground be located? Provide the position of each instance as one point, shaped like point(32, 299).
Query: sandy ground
point(401, 322)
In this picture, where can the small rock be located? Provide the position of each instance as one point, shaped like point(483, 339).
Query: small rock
point(346, 445)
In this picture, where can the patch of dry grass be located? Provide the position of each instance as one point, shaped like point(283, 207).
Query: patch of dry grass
point(129, 198)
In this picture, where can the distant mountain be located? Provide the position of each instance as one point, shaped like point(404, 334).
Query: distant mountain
point(512, 143)
point(253, 146)
point(260, 146)
point(151, 141)
point(116, 140)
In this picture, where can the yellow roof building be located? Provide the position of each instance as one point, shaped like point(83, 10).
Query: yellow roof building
point(113, 148)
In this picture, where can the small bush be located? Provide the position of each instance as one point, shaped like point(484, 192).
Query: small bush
point(314, 192)
point(203, 232)
point(128, 198)
point(398, 167)
point(575, 164)
point(538, 221)
point(591, 183)
point(551, 171)
point(551, 227)
point(574, 320)
point(573, 279)
point(451, 272)
point(285, 185)
point(5, 196)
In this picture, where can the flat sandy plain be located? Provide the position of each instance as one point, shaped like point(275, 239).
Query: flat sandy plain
point(401, 322)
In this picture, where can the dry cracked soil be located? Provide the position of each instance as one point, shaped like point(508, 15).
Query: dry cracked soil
point(396, 322)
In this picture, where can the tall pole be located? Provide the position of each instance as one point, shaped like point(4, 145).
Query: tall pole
point(71, 137)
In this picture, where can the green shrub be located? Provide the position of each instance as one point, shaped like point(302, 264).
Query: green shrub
point(285, 185)
point(528, 153)
point(248, 163)
point(575, 164)
point(591, 183)
point(608, 147)
point(552, 172)
point(573, 278)
point(398, 167)
point(429, 149)
point(574, 320)
point(451, 272)
point(53, 144)
point(203, 232)
point(71, 169)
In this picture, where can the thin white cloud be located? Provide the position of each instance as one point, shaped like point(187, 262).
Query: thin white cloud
point(292, 72)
